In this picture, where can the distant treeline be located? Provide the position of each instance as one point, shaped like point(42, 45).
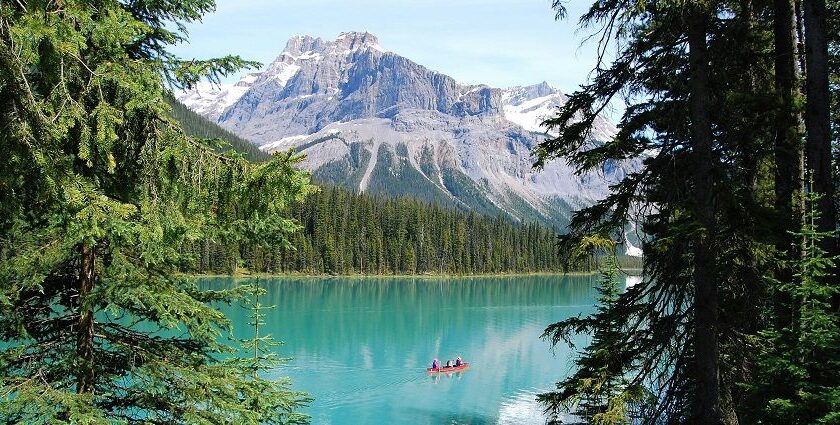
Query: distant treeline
point(349, 233)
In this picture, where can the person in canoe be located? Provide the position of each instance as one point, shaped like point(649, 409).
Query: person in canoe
point(458, 361)
point(448, 363)
point(435, 364)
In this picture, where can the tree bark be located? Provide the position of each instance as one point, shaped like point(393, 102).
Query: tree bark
point(800, 36)
point(788, 139)
point(706, 403)
point(818, 116)
point(84, 343)
point(788, 150)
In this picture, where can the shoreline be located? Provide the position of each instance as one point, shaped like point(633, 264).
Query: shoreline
point(245, 275)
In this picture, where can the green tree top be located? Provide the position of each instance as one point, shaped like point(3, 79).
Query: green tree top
point(99, 189)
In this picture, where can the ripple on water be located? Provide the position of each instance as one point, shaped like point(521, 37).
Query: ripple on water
point(361, 349)
point(520, 409)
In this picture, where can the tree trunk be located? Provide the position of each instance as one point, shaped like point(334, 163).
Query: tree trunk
point(706, 404)
point(728, 413)
point(84, 343)
point(800, 36)
point(788, 143)
point(788, 150)
point(818, 116)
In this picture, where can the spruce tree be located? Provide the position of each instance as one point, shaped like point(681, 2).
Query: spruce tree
point(796, 378)
point(598, 392)
point(695, 82)
point(99, 192)
point(714, 113)
point(262, 358)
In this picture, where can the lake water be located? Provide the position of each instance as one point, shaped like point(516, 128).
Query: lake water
point(360, 346)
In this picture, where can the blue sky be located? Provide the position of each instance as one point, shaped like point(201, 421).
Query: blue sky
point(496, 42)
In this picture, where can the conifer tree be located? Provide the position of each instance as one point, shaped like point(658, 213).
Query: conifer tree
point(376, 235)
point(796, 379)
point(266, 396)
point(99, 192)
point(694, 77)
point(598, 393)
point(714, 112)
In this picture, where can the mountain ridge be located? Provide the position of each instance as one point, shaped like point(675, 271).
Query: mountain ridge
point(374, 121)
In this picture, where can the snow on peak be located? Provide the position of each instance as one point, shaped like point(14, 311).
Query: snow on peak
point(355, 40)
point(281, 72)
point(529, 106)
point(283, 144)
point(248, 79)
point(211, 100)
point(519, 94)
point(304, 47)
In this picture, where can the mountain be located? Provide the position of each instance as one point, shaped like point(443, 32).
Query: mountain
point(199, 126)
point(373, 121)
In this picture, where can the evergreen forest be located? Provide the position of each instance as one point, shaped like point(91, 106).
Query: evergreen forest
point(220, 139)
point(113, 196)
point(733, 108)
point(99, 187)
point(348, 233)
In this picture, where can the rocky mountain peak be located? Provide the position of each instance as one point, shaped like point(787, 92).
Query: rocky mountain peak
point(304, 46)
point(521, 94)
point(358, 40)
point(376, 121)
point(302, 43)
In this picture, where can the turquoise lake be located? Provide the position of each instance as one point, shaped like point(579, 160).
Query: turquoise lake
point(360, 346)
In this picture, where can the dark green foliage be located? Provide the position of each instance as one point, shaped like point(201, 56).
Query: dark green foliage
point(599, 391)
point(393, 176)
point(714, 110)
point(834, 67)
point(347, 174)
point(796, 379)
point(348, 233)
point(468, 193)
point(264, 359)
point(197, 126)
point(98, 189)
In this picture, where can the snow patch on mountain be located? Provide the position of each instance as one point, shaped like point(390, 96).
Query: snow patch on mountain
point(530, 106)
point(210, 99)
point(284, 72)
point(284, 143)
point(344, 102)
point(632, 250)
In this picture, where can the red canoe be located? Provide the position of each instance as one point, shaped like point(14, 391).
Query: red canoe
point(448, 369)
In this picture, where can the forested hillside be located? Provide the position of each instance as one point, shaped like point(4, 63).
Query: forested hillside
point(198, 126)
point(347, 233)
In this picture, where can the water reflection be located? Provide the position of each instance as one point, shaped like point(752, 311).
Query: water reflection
point(361, 345)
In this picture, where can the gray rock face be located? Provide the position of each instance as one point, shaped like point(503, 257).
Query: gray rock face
point(372, 120)
point(315, 82)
